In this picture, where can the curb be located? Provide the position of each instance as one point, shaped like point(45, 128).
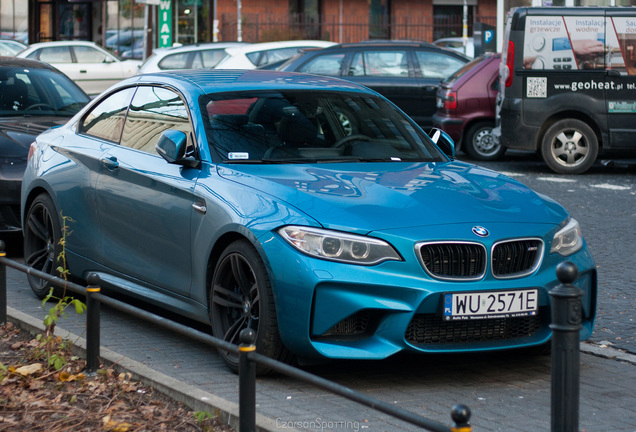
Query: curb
point(196, 399)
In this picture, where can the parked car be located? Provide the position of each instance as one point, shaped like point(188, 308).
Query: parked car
point(123, 41)
point(10, 47)
point(466, 104)
point(457, 44)
point(33, 98)
point(408, 73)
point(93, 68)
point(262, 54)
point(195, 56)
point(312, 211)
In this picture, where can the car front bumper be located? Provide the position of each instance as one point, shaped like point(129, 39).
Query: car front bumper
point(334, 310)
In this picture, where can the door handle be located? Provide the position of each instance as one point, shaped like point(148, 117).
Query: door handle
point(82, 71)
point(199, 206)
point(109, 163)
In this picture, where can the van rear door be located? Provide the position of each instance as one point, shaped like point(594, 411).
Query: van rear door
point(621, 78)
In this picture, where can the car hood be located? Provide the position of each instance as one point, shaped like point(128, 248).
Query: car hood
point(17, 133)
point(364, 197)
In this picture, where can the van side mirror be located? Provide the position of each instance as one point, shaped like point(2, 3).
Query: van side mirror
point(443, 141)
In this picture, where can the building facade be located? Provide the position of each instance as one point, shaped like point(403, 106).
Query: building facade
point(132, 28)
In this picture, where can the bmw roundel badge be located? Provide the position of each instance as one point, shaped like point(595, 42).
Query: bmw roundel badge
point(480, 231)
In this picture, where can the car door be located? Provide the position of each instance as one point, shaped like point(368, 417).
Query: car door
point(387, 71)
point(432, 66)
point(145, 203)
point(96, 70)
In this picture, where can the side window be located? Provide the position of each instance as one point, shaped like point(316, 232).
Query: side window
point(85, 54)
point(174, 61)
point(212, 57)
point(380, 63)
point(55, 55)
point(437, 64)
point(329, 64)
point(106, 120)
point(197, 62)
point(154, 110)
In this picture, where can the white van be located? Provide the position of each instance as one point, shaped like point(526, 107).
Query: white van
point(569, 84)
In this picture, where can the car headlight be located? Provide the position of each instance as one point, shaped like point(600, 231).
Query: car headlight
point(338, 246)
point(568, 239)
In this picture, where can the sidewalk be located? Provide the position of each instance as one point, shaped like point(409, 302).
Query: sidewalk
point(505, 391)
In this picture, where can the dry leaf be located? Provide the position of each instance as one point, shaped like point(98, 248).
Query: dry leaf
point(29, 369)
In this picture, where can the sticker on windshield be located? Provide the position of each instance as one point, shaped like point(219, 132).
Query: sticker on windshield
point(238, 155)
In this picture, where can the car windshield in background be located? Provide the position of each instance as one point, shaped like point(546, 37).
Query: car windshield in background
point(38, 92)
point(301, 126)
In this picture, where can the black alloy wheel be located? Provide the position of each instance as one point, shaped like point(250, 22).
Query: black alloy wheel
point(241, 297)
point(42, 233)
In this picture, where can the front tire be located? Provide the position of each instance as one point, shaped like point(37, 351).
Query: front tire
point(480, 144)
point(569, 146)
point(42, 233)
point(241, 297)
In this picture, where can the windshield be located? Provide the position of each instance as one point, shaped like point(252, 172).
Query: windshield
point(309, 126)
point(38, 92)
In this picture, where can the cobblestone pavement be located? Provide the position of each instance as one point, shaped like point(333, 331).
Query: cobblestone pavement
point(506, 391)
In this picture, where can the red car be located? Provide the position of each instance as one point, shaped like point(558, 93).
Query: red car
point(466, 107)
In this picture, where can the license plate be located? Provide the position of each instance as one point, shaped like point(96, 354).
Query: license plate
point(488, 305)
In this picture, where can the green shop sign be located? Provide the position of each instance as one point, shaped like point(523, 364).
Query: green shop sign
point(165, 23)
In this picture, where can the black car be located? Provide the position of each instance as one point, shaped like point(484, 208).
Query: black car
point(33, 97)
point(407, 73)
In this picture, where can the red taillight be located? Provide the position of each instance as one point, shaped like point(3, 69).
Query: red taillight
point(510, 62)
point(31, 151)
point(450, 100)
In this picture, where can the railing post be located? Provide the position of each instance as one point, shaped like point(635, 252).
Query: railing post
point(566, 326)
point(247, 382)
point(3, 286)
point(461, 415)
point(92, 323)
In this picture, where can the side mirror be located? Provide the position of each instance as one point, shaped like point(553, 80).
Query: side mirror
point(443, 141)
point(172, 146)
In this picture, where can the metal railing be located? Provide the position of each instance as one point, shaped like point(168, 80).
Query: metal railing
point(264, 27)
point(248, 357)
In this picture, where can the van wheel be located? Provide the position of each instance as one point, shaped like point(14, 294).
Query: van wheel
point(241, 297)
point(569, 147)
point(480, 144)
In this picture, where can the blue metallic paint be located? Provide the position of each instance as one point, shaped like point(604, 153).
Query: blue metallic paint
point(401, 203)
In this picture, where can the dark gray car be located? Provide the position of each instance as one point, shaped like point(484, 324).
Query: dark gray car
point(33, 97)
point(407, 73)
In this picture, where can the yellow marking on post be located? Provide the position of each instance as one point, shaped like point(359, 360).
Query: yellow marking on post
point(93, 289)
point(462, 429)
point(247, 348)
point(3, 254)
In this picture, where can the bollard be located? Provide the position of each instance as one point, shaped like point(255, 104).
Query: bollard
point(566, 326)
point(3, 286)
point(247, 382)
point(92, 323)
point(461, 416)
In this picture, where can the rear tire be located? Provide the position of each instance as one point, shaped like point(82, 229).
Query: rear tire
point(480, 144)
point(42, 249)
point(569, 146)
point(241, 297)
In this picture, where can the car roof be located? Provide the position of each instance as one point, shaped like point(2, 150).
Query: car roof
point(388, 43)
point(56, 43)
point(279, 44)
point(24, 62)
point(199, 46)
point(225, 80)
